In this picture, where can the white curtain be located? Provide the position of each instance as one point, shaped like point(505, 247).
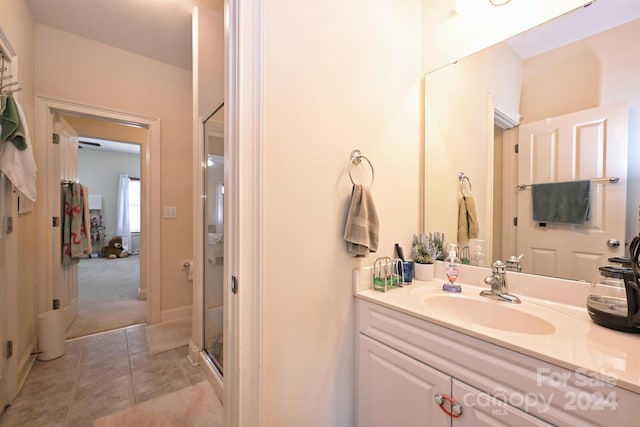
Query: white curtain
point(122, 227)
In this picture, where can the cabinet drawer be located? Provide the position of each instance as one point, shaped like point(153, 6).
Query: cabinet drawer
point(500, 372)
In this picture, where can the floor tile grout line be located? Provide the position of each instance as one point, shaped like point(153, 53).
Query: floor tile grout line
point(133, 389)
point(75, 383)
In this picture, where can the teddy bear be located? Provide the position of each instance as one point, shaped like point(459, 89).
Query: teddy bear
point(114, 249)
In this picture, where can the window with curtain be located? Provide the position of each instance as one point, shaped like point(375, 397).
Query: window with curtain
point(134, 205)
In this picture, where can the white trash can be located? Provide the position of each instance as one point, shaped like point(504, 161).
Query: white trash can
point(51, 334)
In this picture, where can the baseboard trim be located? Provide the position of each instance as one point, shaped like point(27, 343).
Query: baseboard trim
point(194, 354)
point(175, 313)
point(25, 364)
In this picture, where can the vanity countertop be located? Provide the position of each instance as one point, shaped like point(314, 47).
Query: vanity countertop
point(573, 341)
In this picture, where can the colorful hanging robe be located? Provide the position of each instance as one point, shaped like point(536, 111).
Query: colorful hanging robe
point(75, 242)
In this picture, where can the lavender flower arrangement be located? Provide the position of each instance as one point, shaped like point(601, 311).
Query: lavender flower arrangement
point(427, 248)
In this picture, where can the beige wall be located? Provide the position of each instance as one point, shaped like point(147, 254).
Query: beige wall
point(338, 76)
point(210, 60)
point(80, 70)
point(17, 25)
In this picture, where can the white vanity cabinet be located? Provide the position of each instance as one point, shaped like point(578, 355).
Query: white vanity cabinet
point(405, 362)
point(396, 390)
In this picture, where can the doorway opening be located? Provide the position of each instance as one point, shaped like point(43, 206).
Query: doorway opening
point(149, 247)
point(110, 294)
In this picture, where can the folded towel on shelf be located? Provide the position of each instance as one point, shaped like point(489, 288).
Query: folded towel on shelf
point(13, 128)
point(19, 165)
point(467, 219)
point(561, 202)
point(361, 230)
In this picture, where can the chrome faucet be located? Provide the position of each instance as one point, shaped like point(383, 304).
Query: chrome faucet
point(498, 282)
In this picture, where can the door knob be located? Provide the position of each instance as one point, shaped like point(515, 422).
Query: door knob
point(613, 243)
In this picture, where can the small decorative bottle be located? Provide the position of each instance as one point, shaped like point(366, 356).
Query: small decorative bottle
point(478, 256)
point(452, 271)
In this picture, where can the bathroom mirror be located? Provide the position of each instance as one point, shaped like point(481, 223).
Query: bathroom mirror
point(548, 71)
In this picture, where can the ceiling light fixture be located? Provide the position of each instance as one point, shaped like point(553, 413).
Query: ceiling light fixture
point(498, 2)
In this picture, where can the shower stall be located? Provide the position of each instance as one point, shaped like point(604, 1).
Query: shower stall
point(214, 238)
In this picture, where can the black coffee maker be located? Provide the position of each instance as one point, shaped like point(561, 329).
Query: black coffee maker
point(614, 300)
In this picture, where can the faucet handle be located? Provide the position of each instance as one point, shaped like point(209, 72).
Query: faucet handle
point(513, 263)
point(498, 267)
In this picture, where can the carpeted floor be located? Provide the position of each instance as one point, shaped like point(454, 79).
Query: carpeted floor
point(195, 406)
point(108, 295)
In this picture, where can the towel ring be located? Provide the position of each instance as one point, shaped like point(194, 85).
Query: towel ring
point(462, 177)
point(356, 158)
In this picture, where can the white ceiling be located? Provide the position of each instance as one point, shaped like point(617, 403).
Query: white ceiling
point(161, 29)
point(601, 15)
point(158, 29)
point(107, 145)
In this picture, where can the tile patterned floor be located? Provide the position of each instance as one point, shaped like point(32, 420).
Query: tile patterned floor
point(98, 375)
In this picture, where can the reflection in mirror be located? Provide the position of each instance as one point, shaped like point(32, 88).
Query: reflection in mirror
point(214, 237)
point(570, 109)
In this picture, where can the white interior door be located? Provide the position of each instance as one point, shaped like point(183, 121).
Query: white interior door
point(64, 168)
point(583, 145)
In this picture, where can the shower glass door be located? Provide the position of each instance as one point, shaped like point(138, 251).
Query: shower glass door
point(214, 237)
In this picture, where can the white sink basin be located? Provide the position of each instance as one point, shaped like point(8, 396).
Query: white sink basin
point(487, 313)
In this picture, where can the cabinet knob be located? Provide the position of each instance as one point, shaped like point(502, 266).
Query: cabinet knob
point(456, 408)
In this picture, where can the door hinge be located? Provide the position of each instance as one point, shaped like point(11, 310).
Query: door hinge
point(515, 221)
point(56, 221)
point(516, 148)
point(9, 349)
point(8, 224)
point(234, 284)
point(55, 138)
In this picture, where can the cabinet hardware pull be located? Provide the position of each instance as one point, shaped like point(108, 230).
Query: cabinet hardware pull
point(456, 408)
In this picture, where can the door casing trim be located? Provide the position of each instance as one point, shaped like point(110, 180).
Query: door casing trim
point(150, 172)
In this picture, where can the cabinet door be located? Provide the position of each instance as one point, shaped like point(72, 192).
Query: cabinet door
point(396, 390)
point(479, 410)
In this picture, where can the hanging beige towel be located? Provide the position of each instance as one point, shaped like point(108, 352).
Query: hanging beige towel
point(361, 230)
point(467, 219)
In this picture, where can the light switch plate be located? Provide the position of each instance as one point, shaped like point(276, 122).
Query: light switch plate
point(170, 212)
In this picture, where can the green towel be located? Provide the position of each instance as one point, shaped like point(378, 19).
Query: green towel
point(561, 202)
point(12, 128)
